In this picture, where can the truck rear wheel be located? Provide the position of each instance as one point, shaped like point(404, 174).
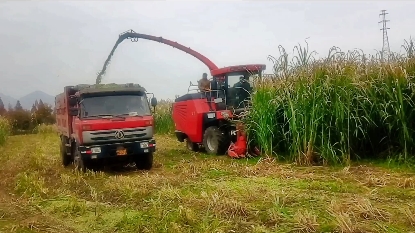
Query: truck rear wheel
point(66, 160)
point(191, 145)
point(144, 161)
point(215, 141)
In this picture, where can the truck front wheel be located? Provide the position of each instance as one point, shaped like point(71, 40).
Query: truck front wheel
point(144, 161)
point(79, 162)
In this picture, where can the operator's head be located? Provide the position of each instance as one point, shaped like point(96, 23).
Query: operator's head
point(242, 79)
point(204, 76)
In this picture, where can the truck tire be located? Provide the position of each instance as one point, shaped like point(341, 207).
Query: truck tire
point(191, 145)
point(144, 161)
point(79, 162)
point(215, 141)
point(66, 160)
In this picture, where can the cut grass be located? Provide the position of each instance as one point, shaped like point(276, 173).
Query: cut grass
point(192, 192)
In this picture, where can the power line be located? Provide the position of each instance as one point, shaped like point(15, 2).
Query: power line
point(385, 47)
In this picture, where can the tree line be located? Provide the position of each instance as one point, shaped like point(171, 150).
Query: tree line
point(23, 120)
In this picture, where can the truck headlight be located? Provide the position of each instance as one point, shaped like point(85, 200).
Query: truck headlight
point(211, 115)
point(143, 144)
point(96, 150)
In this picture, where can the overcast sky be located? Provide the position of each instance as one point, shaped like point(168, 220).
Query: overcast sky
point(47, 45)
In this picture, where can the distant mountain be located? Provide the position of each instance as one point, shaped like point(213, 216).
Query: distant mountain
point(8, 100)
point(28, 100)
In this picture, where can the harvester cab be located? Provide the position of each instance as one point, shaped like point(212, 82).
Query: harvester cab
point(231, 87)
point(236, 83)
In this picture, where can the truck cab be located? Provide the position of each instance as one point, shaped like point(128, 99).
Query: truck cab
point(105, 126)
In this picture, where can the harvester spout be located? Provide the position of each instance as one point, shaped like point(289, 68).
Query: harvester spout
point(134, 38)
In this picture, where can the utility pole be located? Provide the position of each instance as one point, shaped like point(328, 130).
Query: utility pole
point(385, 47)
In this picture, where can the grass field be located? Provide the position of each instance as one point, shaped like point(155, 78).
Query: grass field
point(192, 192)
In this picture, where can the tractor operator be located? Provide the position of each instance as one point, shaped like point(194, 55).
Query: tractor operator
point(204, 87)
point(204, 83)
point(243, 90)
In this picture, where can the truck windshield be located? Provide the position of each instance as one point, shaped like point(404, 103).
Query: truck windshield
point(134, 105)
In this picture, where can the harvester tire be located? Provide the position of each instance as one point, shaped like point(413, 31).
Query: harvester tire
point(191, 145)
point(66, 160)
point(215, 141)
point(144, 161)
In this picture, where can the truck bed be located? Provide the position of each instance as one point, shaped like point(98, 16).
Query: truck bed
point(63, 119)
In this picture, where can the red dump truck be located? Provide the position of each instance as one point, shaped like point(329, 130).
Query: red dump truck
point(105, 126)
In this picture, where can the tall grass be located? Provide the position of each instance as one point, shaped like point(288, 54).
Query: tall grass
point(5, 130)
point(163, 119)
point(345, 106)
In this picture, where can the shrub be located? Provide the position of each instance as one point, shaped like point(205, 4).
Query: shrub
point(23, 121)
point(44, 129)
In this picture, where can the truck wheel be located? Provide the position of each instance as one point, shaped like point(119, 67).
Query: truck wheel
point(79, 163)
point(144, 161)
point(66, 160)
point(215, 141)
point(191, 145)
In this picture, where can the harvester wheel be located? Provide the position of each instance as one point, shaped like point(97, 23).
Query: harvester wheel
point(215, 141)
point(191, 145)
point(144, 161)
point(66, 160)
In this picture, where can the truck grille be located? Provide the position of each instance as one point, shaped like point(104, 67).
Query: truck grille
point(126, 134)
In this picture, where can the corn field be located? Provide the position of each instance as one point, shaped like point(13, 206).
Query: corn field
point(343, 107)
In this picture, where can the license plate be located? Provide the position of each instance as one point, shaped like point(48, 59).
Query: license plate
point(121, 151)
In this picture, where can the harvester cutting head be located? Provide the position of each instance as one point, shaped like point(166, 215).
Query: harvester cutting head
point(210, 119)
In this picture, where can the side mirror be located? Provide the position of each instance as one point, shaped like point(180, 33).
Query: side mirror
point(72, 101)
point(153, 102)
point(73, 111)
